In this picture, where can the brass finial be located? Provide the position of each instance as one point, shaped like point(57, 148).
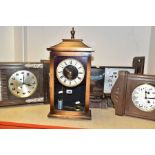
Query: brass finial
point(72, 33)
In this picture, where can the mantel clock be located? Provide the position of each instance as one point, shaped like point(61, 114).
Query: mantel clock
point(70, 67)
point(134, 95)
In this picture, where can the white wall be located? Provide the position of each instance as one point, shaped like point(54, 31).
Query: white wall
point(7, 43)
point(113, 45)
point(151, 64)
point(19, 43)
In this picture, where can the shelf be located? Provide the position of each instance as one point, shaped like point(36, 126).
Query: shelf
point(101, 118)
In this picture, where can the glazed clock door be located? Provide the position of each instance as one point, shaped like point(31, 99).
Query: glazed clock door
point(70, 83)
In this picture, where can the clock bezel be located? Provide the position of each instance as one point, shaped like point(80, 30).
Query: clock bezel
point(134, 101)
point(34, 90)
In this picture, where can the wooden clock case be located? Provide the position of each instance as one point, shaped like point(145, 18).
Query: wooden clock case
point(138, 64)
point(76, 49)
point(122, 91)
point(7, 69)
point(109, 75)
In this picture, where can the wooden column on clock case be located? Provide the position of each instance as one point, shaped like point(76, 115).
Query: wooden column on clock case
point(70, 48)
point(51, 85)
point(87, 97)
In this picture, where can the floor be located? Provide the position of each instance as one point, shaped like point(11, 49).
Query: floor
point(101, 118)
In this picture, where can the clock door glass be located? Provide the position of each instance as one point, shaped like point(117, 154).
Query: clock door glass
point(22, 83)
point(70, 72)
point(143, 97)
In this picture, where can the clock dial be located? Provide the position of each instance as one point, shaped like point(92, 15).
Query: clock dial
point(111, 75)
point(70, 72)
point(143, 97)
point(22, 83)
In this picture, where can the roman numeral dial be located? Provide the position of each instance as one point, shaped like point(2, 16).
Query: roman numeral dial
point(22, 83)
point(70, 72)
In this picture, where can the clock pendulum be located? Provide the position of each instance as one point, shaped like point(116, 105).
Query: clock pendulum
point(70, 65)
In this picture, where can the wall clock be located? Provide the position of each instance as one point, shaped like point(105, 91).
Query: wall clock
point(111, 75)
point(134, 95)
point(21, 83)
point(70, 66)
point(111, 72)
point(103, 79)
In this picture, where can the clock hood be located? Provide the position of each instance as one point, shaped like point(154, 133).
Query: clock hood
point(71, 45)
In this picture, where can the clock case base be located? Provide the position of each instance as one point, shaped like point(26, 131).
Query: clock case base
point(70, 114)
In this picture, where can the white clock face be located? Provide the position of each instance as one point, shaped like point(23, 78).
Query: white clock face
point(70, 72)
point(111, 75)
point(143, 97)
point(22, 83)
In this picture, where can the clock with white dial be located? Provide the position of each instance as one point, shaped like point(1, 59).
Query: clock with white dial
point(70, 72)
point(134, 95)
point(143, 97)
point(22, 83)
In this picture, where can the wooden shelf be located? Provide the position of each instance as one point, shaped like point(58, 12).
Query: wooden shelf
point(101, 118)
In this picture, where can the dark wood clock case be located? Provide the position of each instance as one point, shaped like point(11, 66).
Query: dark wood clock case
point(122, 91)
point(46, 80)
point(138, 63)
point(6, 70)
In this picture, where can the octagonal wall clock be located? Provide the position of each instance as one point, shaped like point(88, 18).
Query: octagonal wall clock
point(70, 67)
point(134, 95)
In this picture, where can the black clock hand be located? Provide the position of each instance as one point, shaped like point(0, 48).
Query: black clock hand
point(68, 70)
point(23, 80)
point(69, 73)
point(27, 84)
point(145, 94)
point(150, 97)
